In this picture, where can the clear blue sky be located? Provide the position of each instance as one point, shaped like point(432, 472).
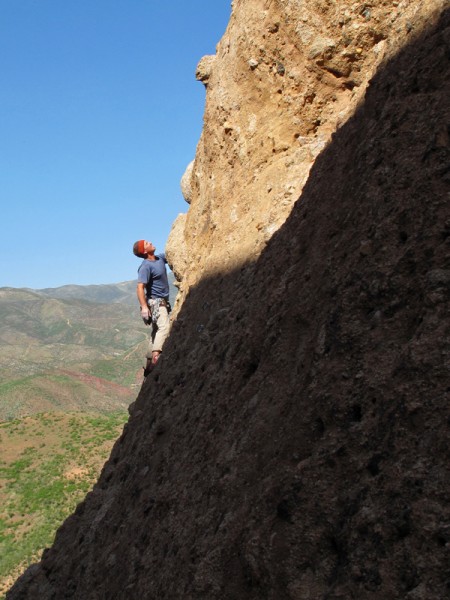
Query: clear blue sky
point(100, 113)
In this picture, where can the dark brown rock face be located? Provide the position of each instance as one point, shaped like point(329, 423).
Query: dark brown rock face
point(294, 440)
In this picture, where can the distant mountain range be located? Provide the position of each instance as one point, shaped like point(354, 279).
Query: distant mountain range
point(124, 293)
point(72, 347)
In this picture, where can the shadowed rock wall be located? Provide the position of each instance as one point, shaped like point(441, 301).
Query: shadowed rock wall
point(293, 441)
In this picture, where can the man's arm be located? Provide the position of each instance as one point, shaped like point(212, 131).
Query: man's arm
point(140, 291)
point(145, 314)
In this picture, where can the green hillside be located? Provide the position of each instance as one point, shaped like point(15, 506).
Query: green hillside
point(48, 464)
point(29, 321)
point(71, 363)
point(62, 391)
point(67, 354)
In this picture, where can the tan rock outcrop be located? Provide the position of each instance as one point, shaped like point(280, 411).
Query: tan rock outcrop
point(286, 75)
point(204, 68)
point(186, 182)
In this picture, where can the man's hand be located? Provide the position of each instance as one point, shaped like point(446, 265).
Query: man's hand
point(145, 314)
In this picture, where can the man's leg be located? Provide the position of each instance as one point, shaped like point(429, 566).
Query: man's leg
point(161, 333)
point(149, 356)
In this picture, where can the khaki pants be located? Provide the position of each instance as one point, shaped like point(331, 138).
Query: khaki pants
point(160, 331)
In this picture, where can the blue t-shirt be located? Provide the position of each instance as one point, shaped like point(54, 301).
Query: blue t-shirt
point(153, 274)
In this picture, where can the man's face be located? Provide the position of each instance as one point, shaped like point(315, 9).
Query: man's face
point(149, 248)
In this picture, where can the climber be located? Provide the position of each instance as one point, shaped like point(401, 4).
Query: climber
point(153, 295)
